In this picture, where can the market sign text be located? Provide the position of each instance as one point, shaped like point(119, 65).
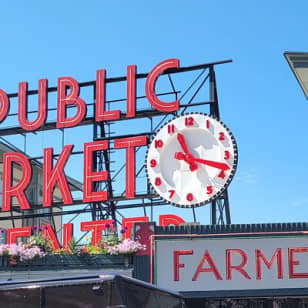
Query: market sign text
point(68, 96)
point(95, 228)
point(231, 263)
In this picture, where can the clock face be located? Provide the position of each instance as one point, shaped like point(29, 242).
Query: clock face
point(191, 160)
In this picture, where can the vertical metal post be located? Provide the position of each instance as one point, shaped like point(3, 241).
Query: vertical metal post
point(213, 112)
point(106, 156)
point(227, 208)
point(42, 297)
point(97, 162)
point(94, 163)
point(223, 200)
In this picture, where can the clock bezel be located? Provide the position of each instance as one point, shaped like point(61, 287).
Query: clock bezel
point(230, 177)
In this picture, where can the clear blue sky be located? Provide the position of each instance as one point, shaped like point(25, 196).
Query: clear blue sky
point(259, 98)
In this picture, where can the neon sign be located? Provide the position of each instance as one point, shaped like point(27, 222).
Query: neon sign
point(68, 96)
point(95, 227)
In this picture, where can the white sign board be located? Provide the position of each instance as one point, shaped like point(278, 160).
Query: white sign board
point(217, 264)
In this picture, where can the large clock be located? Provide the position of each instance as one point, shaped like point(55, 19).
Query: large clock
point(191, 160)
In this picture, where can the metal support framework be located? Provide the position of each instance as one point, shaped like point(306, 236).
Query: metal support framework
point(220, 208)
point(103, 160)
point(221, 204)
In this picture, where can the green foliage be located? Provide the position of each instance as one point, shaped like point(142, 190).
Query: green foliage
point(72, 245)
point(94, 250)
point(61, 251)
point(70, 249)
point(110, 240)
point(42, 242)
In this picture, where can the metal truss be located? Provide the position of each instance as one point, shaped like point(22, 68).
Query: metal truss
point(188, 97)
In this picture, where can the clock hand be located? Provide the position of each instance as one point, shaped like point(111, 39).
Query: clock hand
point(214, 164)
point(182, 142)
point(188, 159)
point(179, 155)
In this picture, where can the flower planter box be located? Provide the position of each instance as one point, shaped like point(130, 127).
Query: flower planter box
point(69, 262)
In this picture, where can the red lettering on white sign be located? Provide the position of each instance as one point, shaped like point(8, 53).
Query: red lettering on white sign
point(176, 263)
point(211, 269)
point(277, 255)
point(293, 263)
point(238, 268)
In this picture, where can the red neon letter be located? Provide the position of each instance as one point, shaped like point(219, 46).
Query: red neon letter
point(170, 219)
point(207, 257)
point(90, 176)
point(18, 190)
point(100, 113)
point(72, 98)
point(293, 262)
point(67, 234)
point(130, 143)
point(238, 268)
point(150, 86)
point(4, 105)
point(13, 233)
point(127, 224)
point(131, 91)
point(23, 106)
point(53, 176)
point(278, 255)
point(176, 263)
point(96, 227)
point(48, 232)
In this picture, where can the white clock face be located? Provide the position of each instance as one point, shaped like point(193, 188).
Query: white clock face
point(191, 160)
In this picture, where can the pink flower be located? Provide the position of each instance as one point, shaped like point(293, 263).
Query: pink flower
point(20, 251)
point(127, 246)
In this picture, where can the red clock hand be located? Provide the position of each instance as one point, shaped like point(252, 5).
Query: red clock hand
point(214, 164)
point(182, 142)
point(188, 158)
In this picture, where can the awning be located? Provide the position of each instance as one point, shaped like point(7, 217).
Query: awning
point(112, 291)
